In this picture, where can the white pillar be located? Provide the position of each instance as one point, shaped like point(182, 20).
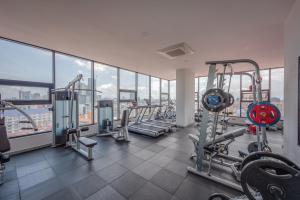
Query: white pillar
point(185, 83)
point(291, 109)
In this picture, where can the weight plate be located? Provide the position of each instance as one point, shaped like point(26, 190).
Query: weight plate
point(262, 114)
point(271, 180)
point(215, 100)
point(231, 99)
point(267, 155)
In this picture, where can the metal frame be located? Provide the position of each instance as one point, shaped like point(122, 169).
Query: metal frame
point(241, 82)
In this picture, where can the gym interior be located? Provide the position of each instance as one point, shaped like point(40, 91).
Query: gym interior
point(149, 100)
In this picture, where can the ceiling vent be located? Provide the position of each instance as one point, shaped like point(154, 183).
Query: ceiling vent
point(176, 50)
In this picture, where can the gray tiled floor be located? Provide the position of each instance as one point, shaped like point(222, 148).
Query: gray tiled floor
point(146, 168)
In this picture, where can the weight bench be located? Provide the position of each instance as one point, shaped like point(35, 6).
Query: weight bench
point(210, 146)
point(4, 147)
point(79, 140)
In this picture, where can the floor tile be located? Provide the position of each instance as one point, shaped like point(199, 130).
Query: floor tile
point(112, 172)
point(128, 184)
point(88, 186)
point(36, 178)
point(147, 170)
point(155, 148)
point(160, 160)
point(75, 175)
point(64, 194)
point(167, 180)
point(151, 192)
point(107, 193)
point(144, 154)
point(177, 167)
point(28, 169)
point(42, 190)
point(131, 162)
point(9, 188)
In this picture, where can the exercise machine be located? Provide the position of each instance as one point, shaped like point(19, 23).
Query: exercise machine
point(66, 130)
point(209, 148)
point(267, 176)
point(4, 142)
point(138, 126)
point(105, 120)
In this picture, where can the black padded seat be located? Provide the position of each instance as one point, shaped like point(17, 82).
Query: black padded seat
point(4, 158)
point(71, 131)
point(83, 129)
point(87, 142)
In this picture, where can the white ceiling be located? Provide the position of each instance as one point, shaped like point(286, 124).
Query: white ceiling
point(128, 33)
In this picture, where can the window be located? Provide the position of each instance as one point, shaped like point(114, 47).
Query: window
point(106, 82)
point(26, 80)
point(127, 80)
point(277, 88)
point(41, 115)
point(24, 63)
point(66, 69)
point(234, 110)
point(265, 74)
point(155, 91)
point(202, 88)
point(24, 93)
point(164, 92)
point(173, 91)
point(143, 88)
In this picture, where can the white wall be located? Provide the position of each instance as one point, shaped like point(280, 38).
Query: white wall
point(291, 54)
point(185, 87)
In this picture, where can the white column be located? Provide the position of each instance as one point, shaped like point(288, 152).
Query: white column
point(291, 56)
point(185, 83)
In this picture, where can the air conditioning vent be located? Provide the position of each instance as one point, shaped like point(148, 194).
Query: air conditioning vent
point(176, 50)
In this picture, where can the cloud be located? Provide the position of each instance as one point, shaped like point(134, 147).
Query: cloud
point(80, 63)
point(114, 77)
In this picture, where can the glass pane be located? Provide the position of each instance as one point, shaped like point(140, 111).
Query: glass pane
point(164, 86)
point(39, 113)
point(246, 82)
point(155, 91)
point(202, 87)
point(143, 89)
point(106, 82)
point(127, 80)
point(277, 88)
point(25, 63)
point(127, 96)
point(265, 79)
point(173, 90)
point(23, 93)
point(235, 91)
point(66, 69)
point(196, 84)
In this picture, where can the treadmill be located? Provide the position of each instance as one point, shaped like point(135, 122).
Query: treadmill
point(159, 123)
point(139, 127)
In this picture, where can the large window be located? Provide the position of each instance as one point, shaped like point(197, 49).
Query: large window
point(24, 63)
point(66, 69)
point(127, 80)
point(173, 91)
point(106, 81)
point(234, 110)
point(155, 91)
point(26, 81)
point(277, 88)
point(196, 93)
point(164, 92)
point(143, 89)
point(127, 89)
point(202, 88)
